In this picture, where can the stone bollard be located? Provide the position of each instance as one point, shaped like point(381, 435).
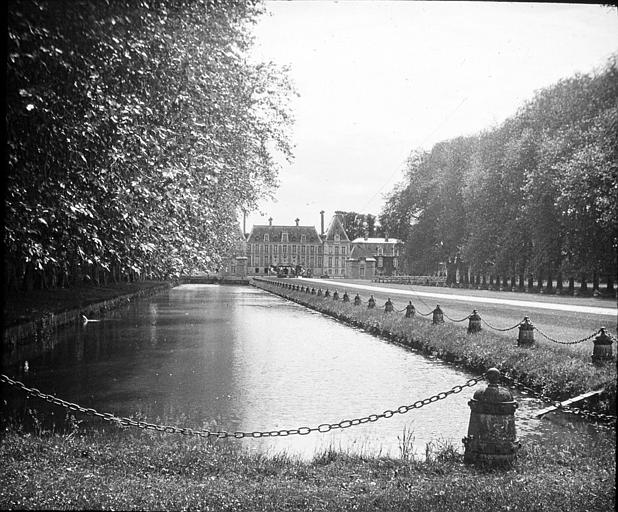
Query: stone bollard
point(357, 300)
point(602, 350)
point(438, 316)
point(312, 291)
point(388, 306)
point(326, 293)
point(410, 310)
point(346, 297)
point(371, 303)
point(491, 438)
point(336, 295)
point(526, 333)
point(319, 292)
point(474, 324)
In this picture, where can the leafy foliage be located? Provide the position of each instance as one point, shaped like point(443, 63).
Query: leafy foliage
point(533, 196)
point(136, 131)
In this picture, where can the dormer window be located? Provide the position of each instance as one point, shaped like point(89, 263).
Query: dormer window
point(284, 238)
point(337, 238)
point(266, 238)
point(303, 239)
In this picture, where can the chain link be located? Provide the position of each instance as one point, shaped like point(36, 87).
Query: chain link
point(424, 314)
point(498, 329)
point(566, 342)
point(457, 321)
point(302, 431)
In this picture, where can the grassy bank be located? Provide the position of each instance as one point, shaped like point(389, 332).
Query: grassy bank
point(554, 371)
point(136, 470)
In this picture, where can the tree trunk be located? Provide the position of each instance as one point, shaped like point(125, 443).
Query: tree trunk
point(559, 284)
point(583, 288)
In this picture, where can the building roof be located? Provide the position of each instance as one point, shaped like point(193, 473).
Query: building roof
point(362, 240)
point(361, 253)
point(336, 228)
point(274, 234)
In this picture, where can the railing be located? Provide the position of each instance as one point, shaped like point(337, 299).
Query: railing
point(416, 280)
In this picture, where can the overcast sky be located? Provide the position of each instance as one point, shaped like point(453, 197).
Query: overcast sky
point(379, 79)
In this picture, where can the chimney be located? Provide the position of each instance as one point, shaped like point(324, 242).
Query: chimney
point(270, 221)
point(322, 222)
point(297, 220)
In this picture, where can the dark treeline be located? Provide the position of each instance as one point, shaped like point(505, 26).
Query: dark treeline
point(534, 198)
point(136, 133)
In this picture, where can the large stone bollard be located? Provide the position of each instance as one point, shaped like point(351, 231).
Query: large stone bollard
point(346, 297)
point(491, 438)
point(357, 300)
point(602, 350)
point(336, 295)
point(438, 316)
point(388, 306)
point(474, 323)
point(371, 303)
point(410, 310)
point(526, 333)
point(319, 292)
point(326, 293)
point(312, 291)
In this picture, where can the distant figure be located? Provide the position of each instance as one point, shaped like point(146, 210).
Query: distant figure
point(357, 300)
point(346, 297)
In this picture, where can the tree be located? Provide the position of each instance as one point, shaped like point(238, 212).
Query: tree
point(136, 132)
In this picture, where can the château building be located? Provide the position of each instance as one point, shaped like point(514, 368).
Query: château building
point(301, 250)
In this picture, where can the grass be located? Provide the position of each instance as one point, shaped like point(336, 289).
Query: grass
point(552, 370)
point(129, 469)
point(141, 470)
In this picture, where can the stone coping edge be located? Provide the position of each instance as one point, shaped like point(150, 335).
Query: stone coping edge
point(17, 333)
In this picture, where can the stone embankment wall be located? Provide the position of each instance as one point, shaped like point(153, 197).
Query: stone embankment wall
point(23, 333)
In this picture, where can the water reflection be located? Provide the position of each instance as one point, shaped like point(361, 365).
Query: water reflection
point(237, 358)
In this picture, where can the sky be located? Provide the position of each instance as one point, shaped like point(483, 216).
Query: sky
point(379, 79)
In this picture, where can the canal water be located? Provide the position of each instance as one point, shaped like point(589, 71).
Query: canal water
point(237, 358)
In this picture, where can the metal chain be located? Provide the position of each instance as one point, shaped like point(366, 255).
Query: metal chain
point(514, 384)
point(566, 342)
point(501, 330)
point(449, 318)
point(324, 427)
point(424, 314)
